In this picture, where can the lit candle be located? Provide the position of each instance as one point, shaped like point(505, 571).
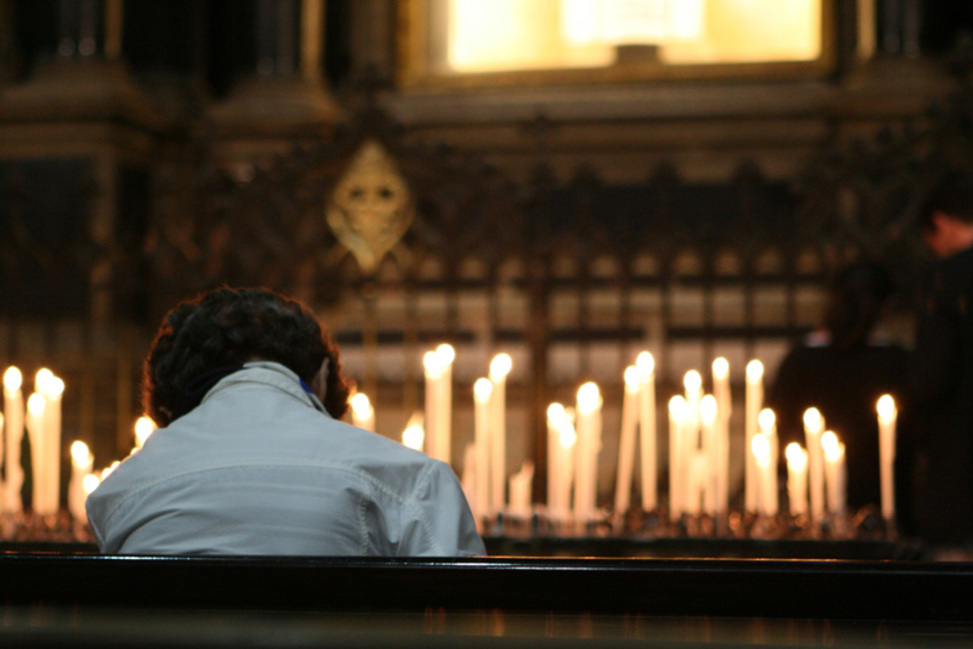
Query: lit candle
point(500, 367)
point(13, 404)
point(444, 414)
point(482, 389)
point(754, 401)
point(47, 482)
point(432, 362)
point(144, 427)
point(813, 427)
point(708, 411)
point(721, 450)
point(36, 405)
point(647, 429)
point(589, 444)
point(767, 423)
point(362, 413)
point(89, 484)
point(520, 491)
point(834, 471)
point(796, 478)
point(886, 453)
point(413, 436)
point(760, 450)
point(677, 468)
point(626, 447)
point(81, 463)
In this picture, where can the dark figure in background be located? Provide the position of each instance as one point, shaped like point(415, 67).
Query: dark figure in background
point(842, 371)
point(941, 374)
point(251, 457)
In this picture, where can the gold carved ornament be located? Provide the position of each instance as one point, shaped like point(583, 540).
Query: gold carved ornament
point(371, 206)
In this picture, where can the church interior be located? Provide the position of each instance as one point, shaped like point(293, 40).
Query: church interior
point(567, 183)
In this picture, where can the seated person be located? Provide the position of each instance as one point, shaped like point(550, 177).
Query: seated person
point(841, 370)
point(251, 458)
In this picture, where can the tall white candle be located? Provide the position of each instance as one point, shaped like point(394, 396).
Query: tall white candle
point(36, 405)
point(647, 429)
point(760, 450)
point(813, 427)
point(362, 413)
point(47, 482)
point(886, 452)
point(444, 413)
point(13, 407)
point(520, 490)
point(589, 445)
point(754, 402)
point(708, 412)
point(834, 471)
point(482, 390)
point(81, 463)
point(626, 446)
point(677, 467)
point(796, 478)
point(767, 423)
point(721, 450)
point(500, 367)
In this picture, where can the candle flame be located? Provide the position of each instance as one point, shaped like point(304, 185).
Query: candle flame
point(678, 407)
point(482, 390)
point(766, 420)
point(12, 379)
point(556, 414)
point(760, 447)
point(568, 436)
point(646, 363)
point(446, 354)
point(755, 371)
point(42, 379)
point(36, 404)
point(721, 368)
point(433, 363)
point(813, 420)
point(361, 406)
point(80, 455)
point(89, 483)
point(144, 427)
point(833, 449)
point(796, 457)
point(693, 381)
point(886, 409)
point(589, 398)
point(708, 409)
point(500, 366)
point(414, 436)
point(633, 378)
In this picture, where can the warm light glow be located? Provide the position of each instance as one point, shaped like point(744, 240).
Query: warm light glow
point(360, 405)
point(693, 381)
point(708, 409)
point(36, 404)
point(144, 427)
point(755, 371)
point(766, 420)
point(796, 456)
point(886, 409)
point(433, 363)
point(760, 447)
point(413, 437)
point(446, 354)
point(569, 435)
point(648, 22)
point(633, 378)
point(721, 368)
point(833, 449)
point(89, 483)
point(500, 366)
point(12, 379)
point(55, 388)
point(678, 407)
point(107, 471)
point(646, 363)
point(589, 398)
point(482, 390)
point(80, 455)
point(813, 419)
point(557, 415)
point(42, 380)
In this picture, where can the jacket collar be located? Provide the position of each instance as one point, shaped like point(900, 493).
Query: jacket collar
point(273, 374)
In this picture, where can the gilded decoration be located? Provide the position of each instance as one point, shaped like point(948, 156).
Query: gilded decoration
point(371, 206)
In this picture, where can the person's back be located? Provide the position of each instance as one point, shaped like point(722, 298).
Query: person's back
point(259, 467)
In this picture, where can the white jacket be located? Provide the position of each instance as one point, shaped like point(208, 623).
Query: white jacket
point(260, 468)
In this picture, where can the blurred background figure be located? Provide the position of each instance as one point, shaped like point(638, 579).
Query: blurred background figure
point(842, 370)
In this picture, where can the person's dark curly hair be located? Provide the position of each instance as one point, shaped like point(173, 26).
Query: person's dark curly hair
point(226, 328)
